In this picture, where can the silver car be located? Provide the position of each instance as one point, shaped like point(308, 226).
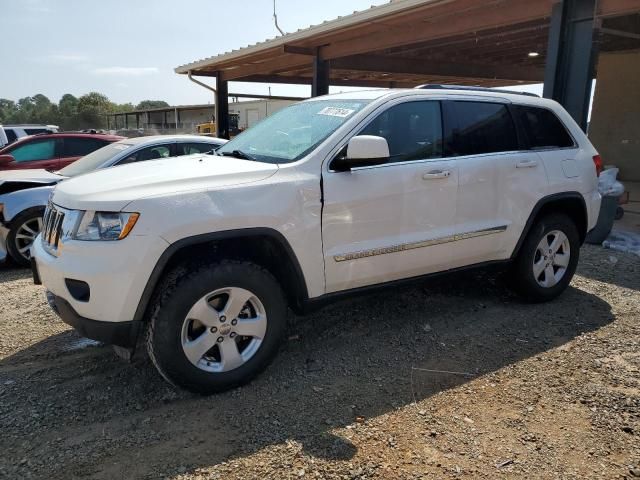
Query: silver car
point(24, 193)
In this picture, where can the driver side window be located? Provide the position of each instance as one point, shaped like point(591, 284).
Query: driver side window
point(413, 130)
point(149, 153)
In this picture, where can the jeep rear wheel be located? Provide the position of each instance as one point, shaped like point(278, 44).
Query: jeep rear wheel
point(548, 259)
point(217, 327)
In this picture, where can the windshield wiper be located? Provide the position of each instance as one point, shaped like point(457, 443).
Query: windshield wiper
point(238, 154)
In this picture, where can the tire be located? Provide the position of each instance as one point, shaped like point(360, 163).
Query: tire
point(23, 224)
point(190, 308)
point(542, 286)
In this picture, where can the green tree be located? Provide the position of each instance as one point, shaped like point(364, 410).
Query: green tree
point(42, 111)
point(8, 109)
point(123, 107)
point(149, 104)
point(92, 109)
point(68, 112)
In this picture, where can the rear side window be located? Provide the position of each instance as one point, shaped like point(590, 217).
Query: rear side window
point(79, 147)
point(35, 131)
point(480, 127)
point(542, 128)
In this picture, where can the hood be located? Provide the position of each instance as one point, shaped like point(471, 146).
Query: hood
point(14, 180)
point(113, 188)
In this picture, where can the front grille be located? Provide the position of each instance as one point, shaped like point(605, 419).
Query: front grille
point(52, 227)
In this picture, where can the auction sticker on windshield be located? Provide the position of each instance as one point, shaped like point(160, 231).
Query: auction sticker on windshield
point(336, 112)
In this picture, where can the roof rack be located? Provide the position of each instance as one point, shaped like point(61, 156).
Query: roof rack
point(436, 86)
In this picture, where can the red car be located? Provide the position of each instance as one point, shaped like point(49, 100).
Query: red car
point(52, 151)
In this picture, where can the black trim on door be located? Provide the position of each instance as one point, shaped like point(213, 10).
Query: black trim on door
point(538, 207)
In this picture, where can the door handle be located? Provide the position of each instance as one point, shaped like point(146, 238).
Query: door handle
point(436, 174)
point(527, 164)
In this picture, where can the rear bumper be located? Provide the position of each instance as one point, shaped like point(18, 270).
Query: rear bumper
point(123, 334)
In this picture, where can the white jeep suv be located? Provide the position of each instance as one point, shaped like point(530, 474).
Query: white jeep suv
point(336, 194)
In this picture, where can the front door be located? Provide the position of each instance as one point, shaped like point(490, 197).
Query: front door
point(395, 220)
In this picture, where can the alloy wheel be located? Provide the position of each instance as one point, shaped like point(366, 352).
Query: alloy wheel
point(26, 234)
point(551, 258)
point(224, 329)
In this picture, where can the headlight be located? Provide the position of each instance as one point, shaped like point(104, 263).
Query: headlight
point(105, 225)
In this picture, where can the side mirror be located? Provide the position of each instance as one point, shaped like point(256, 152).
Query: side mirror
point(362, 151)
point(6, 159)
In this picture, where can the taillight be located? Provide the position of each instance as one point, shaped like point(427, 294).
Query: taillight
point(597, 161)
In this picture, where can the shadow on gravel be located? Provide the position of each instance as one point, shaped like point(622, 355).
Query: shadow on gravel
point(615, 268)
point(87, 413)
point(10, 272)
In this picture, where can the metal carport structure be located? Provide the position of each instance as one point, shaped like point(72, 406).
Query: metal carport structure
point(409, 42)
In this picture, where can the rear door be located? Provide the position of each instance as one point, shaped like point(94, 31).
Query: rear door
point(77, 147)
point(41, 153)
point(499, 180)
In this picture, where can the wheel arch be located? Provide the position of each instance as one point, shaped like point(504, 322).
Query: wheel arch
point(264, 246)
point(570, 203)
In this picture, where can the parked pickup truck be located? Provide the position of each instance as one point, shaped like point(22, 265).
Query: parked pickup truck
point(329, 197)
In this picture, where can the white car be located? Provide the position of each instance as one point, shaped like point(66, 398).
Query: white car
point(11, 133)
point(333, 195)
point(24, 193)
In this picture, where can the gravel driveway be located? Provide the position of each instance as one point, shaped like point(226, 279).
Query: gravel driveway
point(455, 378)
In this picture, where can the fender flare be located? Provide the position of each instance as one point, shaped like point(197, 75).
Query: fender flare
point(172, 249)
point(539, 206)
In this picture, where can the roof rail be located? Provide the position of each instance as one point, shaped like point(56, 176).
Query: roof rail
point(437, 86)
point(90, 131)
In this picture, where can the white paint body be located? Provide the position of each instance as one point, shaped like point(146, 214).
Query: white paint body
point(433, 207)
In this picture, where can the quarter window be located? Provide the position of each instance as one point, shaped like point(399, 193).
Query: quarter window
point(542, 128)
point(33, 151)
point(413, 130)
point(481, 127)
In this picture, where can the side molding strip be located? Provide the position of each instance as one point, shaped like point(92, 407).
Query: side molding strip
point(421, 244)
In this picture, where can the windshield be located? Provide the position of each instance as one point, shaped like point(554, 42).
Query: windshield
point(291, 133)
point(90, 162)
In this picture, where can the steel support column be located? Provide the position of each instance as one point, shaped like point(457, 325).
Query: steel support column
point(321, 70)
point(222, 106)
point(571, 57)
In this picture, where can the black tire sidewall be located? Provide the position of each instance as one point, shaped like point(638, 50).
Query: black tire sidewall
point(19, 220)
point(523, 276)
point(165, 332)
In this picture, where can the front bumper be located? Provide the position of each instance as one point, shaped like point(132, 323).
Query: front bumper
point(115, 274)
point(123, 334)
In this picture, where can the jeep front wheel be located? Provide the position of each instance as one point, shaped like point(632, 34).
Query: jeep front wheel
point(218, 327)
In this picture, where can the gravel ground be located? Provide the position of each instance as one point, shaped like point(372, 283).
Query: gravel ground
point(451, 379)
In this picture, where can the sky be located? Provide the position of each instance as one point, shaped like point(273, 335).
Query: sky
point(127, 49)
